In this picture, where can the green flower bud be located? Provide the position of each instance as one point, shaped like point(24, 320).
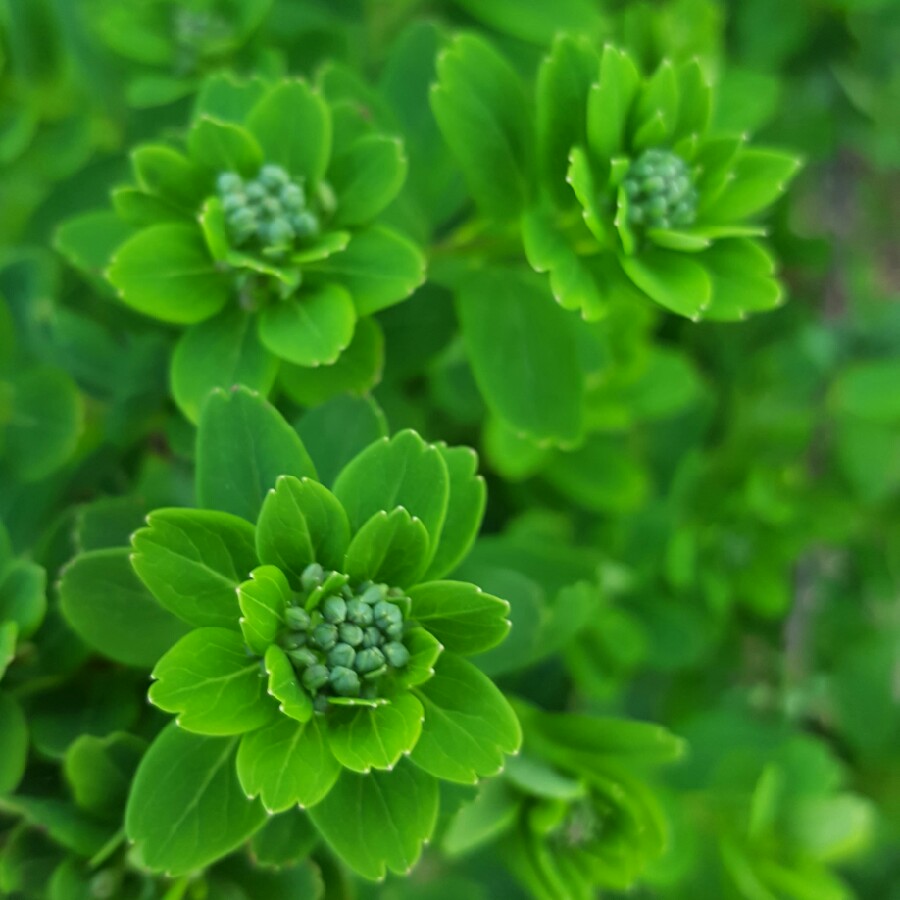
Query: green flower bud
point(359, 612)
point(305, 224)
point(273, 176)
point(372, 637)
point(374, 593)
point(387, 614)
point(292, 197)
point(345, 681)
point(315, 677)
point(334, 610)
point(368, 660)
point(394, 631)
point(271, 207)
point(396, 654)
point(231, 202)
point(660, 190)
point(229, 183)
point(325, 636)
point(351, 634)
point(341, 655)
point(321, 704)
point(312, 576)
point(242, 219)
point(303, 657)
point(297, 618)
point(256, 193)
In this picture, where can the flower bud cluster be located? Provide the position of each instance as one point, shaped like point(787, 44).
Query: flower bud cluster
point(660, 191)
point(343, 641)
point(270, 211)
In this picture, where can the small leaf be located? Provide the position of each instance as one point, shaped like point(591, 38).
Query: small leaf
point(580, 176)
point(228, 98)
point(366, 739)
point(166, 272)
point(465, 510)
point(610, 102)
point(379, 822)
point(243, 445)
point(87, 241)
point(113, 612)
point(469, 726)
point(672, 279)
point(460, 615)
point(655, 111)
point(403, 471)
point(759, 178)
point(357, 370)
point(169, 175)
point(285, 841)
point(99, 772)
point(193, 560)
point(186, 808)
point(304, 148)
point(213, 684)
point(424, 650)
point(392, 548)
point(310, 329)
point(367, 177)
point(223, 147)
point(23, 597)
point(301, 522)
point(218, 353)
point(743, 282)
point(263, 599)
point(293, 700)
point(379, 268)
point(287, 764)
point(482, 112)
point(694, 100)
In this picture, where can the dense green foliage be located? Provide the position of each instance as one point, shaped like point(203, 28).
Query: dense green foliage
point(271, 272)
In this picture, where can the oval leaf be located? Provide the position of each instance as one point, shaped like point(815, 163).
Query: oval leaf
point(391, 548)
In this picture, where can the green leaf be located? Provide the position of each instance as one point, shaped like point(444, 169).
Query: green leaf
point(287, 764)
point(610, 102)
point(380, 821)
point(226, 97)
point(169, 175)
point(572, 282)
point(304, 148)
point(186, 808)
point(357, 370)
point(694, 100)
point(869, 390)
point(392, 548)
point(301, 522)
point(403, 471)
point(45, 424)
point(99, 771)
point(62, 821)
point(460, 615)
point(759, 178)
point(293, 700)
point(165, 271)
point(535, 777)
point(338, 430)
point(367, 177)
point(213, 684)
point(580, 176)
point(533, 22)
point(673, 280)
point(363, 739)
point(223, 147)
point(218, 353)
point(263, 599)
point(482, 112)
point(563, 83)
point(13, 743)
point(310, 329)
point(134, 207)
point(285, 840)
point(113, 612)
point(87, 241)
point(424, 650)
point(23, 597)
point(655, 112)
point(243, 445)
point(193, 560)
point(379, 268)
point(469, 726)
point(465, 510)
point(743, 282)
point(480, 822)
point(523, 353)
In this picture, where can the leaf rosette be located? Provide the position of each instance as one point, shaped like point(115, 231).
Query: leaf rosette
point(641, 196)
point(260, 237)
point(327, 649)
